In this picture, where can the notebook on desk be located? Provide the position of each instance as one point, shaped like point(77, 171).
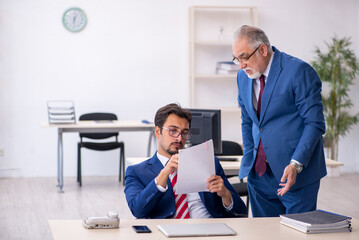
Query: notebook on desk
point(196, 229)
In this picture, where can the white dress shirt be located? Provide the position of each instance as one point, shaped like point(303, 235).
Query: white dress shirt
point(257, 83)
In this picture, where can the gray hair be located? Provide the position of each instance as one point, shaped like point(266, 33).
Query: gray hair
point(254, 35)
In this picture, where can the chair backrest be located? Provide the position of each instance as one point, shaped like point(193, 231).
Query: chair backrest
point(231, 148)
point(99, 117)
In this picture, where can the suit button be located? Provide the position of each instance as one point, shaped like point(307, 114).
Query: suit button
point(261, 129)
point(255, 149)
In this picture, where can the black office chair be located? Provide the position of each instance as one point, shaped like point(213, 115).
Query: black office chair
point(99, 146)
point(230, 148)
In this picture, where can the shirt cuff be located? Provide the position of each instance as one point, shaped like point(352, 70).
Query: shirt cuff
point(160, 188)
point(229, 208)
point(300, 164)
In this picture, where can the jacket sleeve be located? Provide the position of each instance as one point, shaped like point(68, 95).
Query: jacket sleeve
point(239, 208)
point(141, 199)
point(308, 99)
point(247, 132)
point(247, 123)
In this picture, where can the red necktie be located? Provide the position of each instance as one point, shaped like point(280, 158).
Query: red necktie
point(261, 157)
point(181, 200)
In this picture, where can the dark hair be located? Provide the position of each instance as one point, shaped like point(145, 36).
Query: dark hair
point(172, 108)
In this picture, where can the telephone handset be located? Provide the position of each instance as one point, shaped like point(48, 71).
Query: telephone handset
point(110, 221)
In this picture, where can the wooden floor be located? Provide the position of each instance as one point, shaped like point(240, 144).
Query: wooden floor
point(26, 204)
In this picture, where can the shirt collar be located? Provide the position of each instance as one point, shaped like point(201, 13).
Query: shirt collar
point(266, 72)
point(162, 159)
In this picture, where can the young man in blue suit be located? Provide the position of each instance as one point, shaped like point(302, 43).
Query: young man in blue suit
point(282, 126)
point(148, 190)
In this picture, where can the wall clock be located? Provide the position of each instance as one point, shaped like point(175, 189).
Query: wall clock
point(74, 19)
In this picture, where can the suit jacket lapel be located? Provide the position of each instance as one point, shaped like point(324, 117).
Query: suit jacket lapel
point(249, 100)
point(274, 73)
point(155, 166)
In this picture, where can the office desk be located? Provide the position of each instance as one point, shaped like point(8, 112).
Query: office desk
point(93, 127)
point(246, 228)
point(232, 167)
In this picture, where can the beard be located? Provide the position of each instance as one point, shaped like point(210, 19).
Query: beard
point(254, 75)
point(172, 150)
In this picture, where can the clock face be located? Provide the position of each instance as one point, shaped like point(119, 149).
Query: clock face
point(74, 19)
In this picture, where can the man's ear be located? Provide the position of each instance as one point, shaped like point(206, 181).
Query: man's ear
point(157, 131)
point(263, 50)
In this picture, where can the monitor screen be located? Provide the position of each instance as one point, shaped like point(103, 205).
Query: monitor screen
point(206, 125)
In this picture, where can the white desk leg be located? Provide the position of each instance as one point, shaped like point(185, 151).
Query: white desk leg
point(60, 159)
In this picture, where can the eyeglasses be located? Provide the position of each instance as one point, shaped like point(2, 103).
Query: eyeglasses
point(245, 59)
point(174, 133)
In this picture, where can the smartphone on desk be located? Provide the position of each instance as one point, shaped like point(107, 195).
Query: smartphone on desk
point(141, 229)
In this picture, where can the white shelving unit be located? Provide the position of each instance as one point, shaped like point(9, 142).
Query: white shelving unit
point(210, 40)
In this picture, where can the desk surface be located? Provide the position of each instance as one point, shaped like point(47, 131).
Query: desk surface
point(246, 228)
point(119, 125)
point(232, 167)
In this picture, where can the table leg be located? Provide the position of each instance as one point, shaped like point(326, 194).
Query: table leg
point(60, 159)
point(152, 135)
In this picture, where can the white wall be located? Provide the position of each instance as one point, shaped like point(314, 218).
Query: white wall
point(131, 59)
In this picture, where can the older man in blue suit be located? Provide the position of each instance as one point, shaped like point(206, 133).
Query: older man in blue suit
point(282, 126)
point(149, 191)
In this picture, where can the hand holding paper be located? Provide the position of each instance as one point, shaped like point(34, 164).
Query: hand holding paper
point(171, 166)
point(216, 185)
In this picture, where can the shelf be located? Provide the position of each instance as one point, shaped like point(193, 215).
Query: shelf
point(222, 8)
point(231, 110)
point(224, 43)
point(210, 42)
point(216, 76)
point(224, 110)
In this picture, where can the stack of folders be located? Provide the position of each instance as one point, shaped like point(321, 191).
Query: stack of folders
point(317, 221)
point(226, 68)
point(61, 111)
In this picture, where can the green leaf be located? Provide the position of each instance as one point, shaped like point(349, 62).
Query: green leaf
point(339, 67)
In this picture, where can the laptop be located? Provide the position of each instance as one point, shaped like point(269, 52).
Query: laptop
point(196, 230)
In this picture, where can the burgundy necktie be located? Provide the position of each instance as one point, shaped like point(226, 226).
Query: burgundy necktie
point(261, 157)
point(181, 200)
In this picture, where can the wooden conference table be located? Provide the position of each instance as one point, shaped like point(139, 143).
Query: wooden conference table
point(246, 228)
point(93, 127)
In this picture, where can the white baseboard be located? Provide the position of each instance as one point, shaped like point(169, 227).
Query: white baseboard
point(11, 173)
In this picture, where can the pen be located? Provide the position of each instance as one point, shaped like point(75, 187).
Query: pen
point(145, 121)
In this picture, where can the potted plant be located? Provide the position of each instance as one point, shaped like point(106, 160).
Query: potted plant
point(338, 67)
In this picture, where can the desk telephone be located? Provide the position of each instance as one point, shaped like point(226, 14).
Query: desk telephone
point(110, 221)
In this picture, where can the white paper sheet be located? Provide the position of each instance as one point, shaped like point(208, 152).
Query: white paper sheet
point(195, 166)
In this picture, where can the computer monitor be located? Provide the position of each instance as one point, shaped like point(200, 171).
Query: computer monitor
point(206, 125)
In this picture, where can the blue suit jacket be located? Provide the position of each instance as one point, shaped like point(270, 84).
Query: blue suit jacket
point(146, 201)
point(291, 122)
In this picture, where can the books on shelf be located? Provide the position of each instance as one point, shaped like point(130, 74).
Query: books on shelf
point(226, 68)
point(61, 112)
point(317, 221)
